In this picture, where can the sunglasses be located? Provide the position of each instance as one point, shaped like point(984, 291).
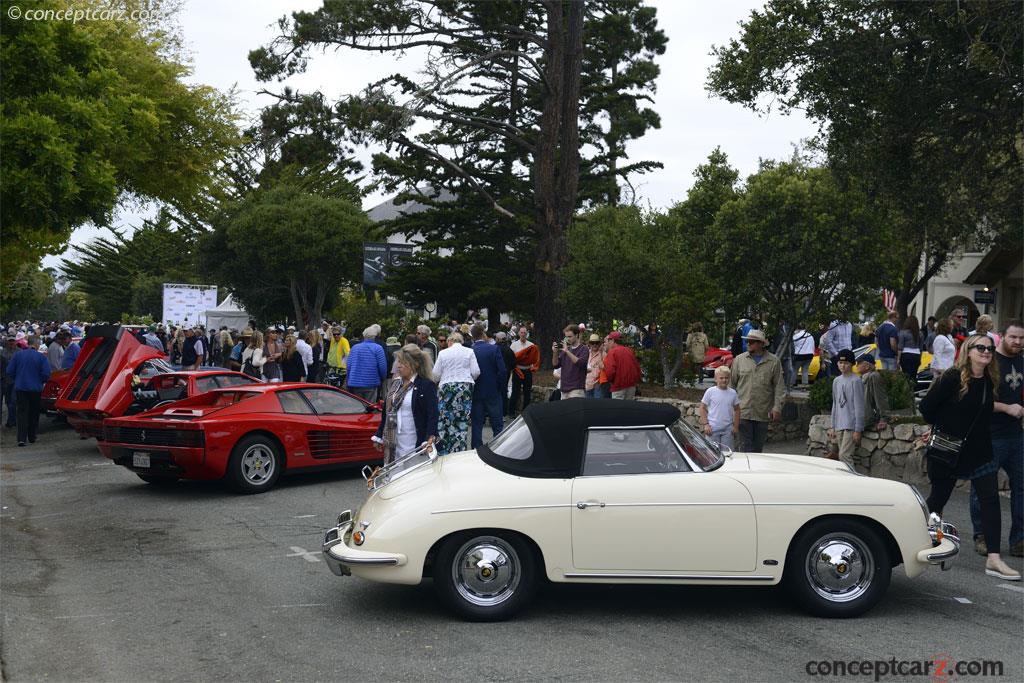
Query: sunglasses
point(983, 348)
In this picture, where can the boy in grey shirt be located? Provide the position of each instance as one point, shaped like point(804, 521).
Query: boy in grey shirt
point(847, 407)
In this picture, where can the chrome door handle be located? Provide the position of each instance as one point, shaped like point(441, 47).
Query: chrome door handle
point(583, 506)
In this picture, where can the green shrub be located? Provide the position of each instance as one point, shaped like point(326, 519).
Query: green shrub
point(358, 314)
point(898, 389)
point(650, 366)
point(820, 395)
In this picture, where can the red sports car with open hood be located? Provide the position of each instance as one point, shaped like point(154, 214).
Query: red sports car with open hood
point(247, 435)
point(100, 383)
point(116, 375)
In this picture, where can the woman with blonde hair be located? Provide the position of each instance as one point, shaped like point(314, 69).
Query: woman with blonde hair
point(253, 359)
point(292, 367)
point(410, 415)
point(959, 407)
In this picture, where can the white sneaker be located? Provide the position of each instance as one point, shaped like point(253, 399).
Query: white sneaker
point(1001, 570)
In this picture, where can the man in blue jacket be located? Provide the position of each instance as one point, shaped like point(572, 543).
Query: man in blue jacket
point(366, 367)
point(30, 370)
point(488, 387)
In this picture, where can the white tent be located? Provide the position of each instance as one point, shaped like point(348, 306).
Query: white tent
point(228, 314)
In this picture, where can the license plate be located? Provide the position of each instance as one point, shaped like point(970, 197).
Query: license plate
point(140, 459)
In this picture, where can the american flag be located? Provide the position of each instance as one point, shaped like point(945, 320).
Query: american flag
point(889, 299)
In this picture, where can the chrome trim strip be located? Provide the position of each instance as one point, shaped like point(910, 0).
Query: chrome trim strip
point(624, 428)
point(380, 561)
point(688, 577)
point(672, 505)
point(936, 558)
point(504, 507)
point(833, 505)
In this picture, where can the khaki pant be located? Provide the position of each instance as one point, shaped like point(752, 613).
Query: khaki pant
point(844, 438)
point(575, 393)
point(627, 394)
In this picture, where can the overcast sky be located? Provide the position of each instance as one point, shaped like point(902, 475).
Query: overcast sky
point(220, 34)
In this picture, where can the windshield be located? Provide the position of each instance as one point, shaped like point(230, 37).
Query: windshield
point(514, 442)
point(705, 454)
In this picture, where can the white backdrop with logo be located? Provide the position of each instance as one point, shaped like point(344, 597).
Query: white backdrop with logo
point(188, 304)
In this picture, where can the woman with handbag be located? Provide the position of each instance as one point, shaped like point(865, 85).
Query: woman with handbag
point(409, 419)
point(959, 408)
point(252, 357)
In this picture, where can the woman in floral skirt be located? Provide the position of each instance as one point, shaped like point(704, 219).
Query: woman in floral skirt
point(455, 372)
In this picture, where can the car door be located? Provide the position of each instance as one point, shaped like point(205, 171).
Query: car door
point(345, 426)
point(639, 507)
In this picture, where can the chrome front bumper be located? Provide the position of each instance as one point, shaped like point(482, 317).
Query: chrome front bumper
point(945, 543)
point(340, 558)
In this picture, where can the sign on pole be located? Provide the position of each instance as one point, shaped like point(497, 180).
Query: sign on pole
point(378, 257)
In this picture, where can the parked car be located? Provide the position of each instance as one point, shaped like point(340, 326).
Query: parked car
point(52, 388)
point(174, 386)
point(247, 435)
point(99, 384)
point(626, 492)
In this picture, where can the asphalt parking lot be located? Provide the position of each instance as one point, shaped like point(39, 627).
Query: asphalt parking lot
point(105, 578)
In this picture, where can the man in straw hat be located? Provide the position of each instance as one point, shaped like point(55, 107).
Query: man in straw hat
point(757, 378)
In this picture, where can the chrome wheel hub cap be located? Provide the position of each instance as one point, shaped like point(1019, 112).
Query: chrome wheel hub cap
point(257, 464)
point(839, 567)
point(486, 571)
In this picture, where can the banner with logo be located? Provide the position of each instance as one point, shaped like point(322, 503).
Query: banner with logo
point(188, 304)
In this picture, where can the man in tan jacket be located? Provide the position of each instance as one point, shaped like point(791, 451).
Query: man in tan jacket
point(757, 378)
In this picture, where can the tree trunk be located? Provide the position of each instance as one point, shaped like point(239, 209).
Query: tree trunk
point(293, 288)
point(557, 164)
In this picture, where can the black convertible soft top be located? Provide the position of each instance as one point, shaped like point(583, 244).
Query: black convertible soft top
point(559, 430)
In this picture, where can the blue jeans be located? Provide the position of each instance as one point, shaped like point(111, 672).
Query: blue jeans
point(1007, 453)
point(484, 407)
point(888, 363)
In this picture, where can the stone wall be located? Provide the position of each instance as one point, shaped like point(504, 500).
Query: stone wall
point(894, 453)
point(784, 430)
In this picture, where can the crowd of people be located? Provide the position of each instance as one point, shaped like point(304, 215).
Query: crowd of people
point(441, 386)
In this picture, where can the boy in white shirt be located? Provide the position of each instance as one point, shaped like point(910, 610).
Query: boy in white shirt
point(720, 409)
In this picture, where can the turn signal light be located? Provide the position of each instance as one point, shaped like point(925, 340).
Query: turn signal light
point(938, 534)
point(358, 538)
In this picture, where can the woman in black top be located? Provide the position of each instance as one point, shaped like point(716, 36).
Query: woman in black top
point(292, 368)
point(960, 405)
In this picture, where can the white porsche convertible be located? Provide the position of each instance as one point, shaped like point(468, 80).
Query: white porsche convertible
point(626, 492)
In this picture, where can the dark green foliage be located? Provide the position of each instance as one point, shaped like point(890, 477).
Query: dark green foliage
point(624, 262)
point(897, 388)
point(919, 106)
point(789, 246)
point(91, 112)
point(285, 252)
point(820, 395)
point(492, 130)
point(125, 275)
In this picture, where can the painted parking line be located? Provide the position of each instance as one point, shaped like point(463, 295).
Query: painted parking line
point(303, 516)
point(1011, 587)
point(307, 604)
point(304, 554)
point(963, 601)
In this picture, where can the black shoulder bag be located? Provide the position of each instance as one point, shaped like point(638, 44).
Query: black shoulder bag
point(944, 449)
